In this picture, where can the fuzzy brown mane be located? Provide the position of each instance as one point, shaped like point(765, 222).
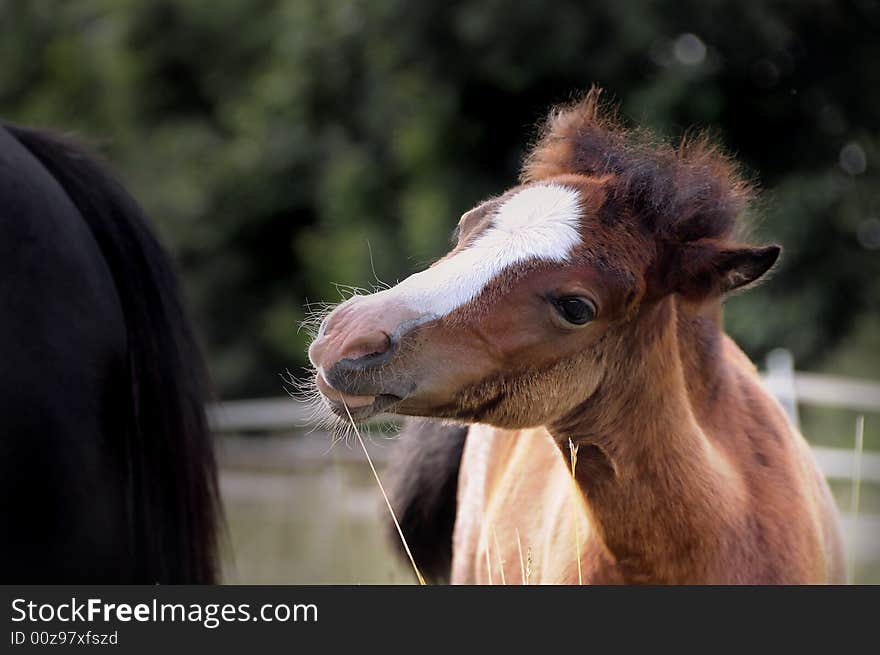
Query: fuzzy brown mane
point(682, 193)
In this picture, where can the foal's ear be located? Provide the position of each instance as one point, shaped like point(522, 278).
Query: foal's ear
point(708, 268)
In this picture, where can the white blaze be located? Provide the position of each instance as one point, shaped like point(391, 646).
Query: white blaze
point(539, 222)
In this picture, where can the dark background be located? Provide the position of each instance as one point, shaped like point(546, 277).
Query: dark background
point(278, 144)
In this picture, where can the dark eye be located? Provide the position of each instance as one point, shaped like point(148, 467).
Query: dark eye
point(576, 310)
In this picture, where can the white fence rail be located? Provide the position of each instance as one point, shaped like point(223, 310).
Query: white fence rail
point(792, 388)
point(285, 413)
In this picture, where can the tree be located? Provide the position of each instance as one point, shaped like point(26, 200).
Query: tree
point(283, 147)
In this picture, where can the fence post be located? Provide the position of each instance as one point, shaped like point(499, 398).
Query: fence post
point(780, 375)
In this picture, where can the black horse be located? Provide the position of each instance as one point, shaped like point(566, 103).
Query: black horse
point(107, 470)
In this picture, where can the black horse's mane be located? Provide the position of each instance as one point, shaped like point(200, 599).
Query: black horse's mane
point(160, 441)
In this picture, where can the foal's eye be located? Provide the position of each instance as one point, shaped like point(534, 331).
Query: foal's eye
point(576, 310)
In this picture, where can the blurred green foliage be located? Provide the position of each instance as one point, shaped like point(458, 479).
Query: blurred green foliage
point(282, 147)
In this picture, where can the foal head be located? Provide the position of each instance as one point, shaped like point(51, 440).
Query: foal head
point(513, 326)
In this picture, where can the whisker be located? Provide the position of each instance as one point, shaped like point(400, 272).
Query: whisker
point(382, 285)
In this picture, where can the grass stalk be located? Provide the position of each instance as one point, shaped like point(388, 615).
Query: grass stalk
point(854, 497)
point(522, 564)
point(498, 552)
point(385, 496)
point(488, 563)
point(573, 453)
point(528, 565)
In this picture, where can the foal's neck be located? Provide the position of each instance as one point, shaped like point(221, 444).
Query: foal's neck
point(657, 488)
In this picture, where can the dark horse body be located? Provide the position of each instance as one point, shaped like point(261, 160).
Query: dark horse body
point(106, 464)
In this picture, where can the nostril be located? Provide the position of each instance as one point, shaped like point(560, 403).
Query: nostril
point(377, 343)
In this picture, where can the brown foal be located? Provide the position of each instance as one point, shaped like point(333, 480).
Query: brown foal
point(581, 311)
